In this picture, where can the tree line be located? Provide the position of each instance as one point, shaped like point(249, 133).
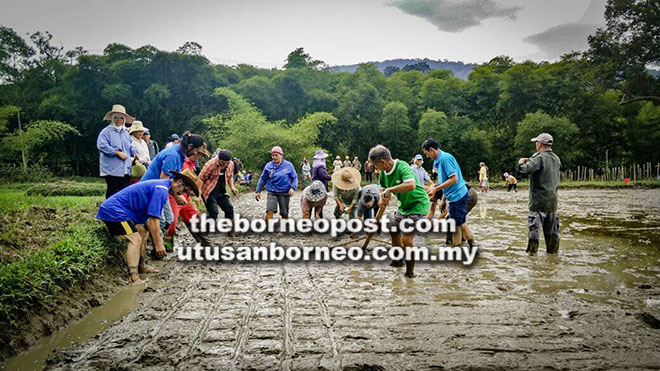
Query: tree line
point(598, 104)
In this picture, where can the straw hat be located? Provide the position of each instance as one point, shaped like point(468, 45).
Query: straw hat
point(137, 126)
point(190, 178)
point(204, 151)
point(346, 178)
point(118, 108)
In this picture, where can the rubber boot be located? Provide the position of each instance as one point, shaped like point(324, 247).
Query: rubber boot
point(552, 246)
point(532, 247)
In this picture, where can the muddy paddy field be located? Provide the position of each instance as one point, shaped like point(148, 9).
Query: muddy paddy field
point(591, 307)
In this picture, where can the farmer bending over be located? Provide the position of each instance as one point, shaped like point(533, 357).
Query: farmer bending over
point(128, 211)
point(396, 177)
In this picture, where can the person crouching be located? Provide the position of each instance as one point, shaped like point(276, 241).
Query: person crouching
point(128, 211)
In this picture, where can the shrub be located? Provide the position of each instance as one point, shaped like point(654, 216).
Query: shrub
point(67, 189)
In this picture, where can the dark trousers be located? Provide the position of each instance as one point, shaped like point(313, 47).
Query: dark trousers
point(115, 184)
point(368, 175)
point(222, 201)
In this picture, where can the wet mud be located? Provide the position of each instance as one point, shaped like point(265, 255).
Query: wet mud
point(590, 307)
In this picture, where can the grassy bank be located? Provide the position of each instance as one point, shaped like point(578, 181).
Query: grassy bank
point(48, 244)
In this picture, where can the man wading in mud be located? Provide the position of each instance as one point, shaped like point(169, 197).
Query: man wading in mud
point(543, 171)
point(128, 211)
point(397, 177)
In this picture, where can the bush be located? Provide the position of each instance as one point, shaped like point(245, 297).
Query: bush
point(37, 277)
point(15, 173)
point(67, 189)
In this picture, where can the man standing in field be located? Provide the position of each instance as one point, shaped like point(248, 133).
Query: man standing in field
point(543, 171)
point(396, 177)
point(483, 177)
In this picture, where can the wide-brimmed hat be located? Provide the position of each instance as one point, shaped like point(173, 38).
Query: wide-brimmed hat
point(319, 154)
point(316, 191)
point(190, 178)
point(346, 178)
point(118, 108)
point(137, 126)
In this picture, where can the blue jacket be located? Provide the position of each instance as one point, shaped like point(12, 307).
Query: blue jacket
point(165, 161)
point(110, 141)
point(278, 178)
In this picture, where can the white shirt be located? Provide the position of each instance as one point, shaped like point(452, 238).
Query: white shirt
point(143, 150)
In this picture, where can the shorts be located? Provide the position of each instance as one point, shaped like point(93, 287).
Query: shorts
point(121, 228)
point(458, 209)
point(399, 217)
point(278, 199)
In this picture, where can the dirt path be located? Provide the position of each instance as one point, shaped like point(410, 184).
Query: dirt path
point(576, 311)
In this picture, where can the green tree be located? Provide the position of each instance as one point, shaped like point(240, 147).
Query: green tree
point(299, 59)
point(41, 140)
point(626, 47)
point(563, 132)
point(395, 130)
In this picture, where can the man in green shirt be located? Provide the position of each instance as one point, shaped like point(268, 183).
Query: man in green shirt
point(396, 177)
point(543, 171)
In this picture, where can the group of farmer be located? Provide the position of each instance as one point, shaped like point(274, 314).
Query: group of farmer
point(170, 188)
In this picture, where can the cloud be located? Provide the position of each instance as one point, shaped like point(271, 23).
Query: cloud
point(568, 37)
point(451, 16)
point(562, 39)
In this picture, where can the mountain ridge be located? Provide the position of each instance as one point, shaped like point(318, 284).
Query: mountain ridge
point(459, 69)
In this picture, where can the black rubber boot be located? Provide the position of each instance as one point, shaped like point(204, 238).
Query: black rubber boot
point(552, 246)
point(532, 247)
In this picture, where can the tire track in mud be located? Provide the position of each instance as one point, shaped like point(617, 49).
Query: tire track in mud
point(188, 292)
point(287, 341)
point(321, 302)
point(243, 331)
point(102, 340)
point(204, 325)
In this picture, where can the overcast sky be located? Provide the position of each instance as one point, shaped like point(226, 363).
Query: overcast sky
point(263, 32)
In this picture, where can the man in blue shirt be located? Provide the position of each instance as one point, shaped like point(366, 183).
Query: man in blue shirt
point(116, 153)
point(281, 180)
point(450, 181)
point(128, 211)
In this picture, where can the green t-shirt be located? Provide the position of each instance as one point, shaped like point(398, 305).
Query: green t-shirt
point(413, 202)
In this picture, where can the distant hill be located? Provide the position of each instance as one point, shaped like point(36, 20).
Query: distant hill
point(459, 69)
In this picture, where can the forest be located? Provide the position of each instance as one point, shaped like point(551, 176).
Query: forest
point(601, 105)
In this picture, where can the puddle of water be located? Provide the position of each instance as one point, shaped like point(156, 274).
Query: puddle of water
point(96, 321)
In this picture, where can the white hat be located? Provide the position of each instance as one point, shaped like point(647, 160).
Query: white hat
point(137, 126)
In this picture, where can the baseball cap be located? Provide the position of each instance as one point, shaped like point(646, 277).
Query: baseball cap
point(418, 157)
point(544, 138)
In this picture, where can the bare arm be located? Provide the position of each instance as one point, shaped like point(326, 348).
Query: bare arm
point(153, 226)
